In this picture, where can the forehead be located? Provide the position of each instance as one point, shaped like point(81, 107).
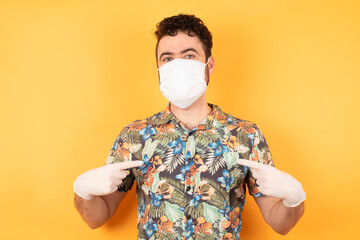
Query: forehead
point(179, 42)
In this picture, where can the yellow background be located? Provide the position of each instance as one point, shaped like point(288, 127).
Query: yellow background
point(73, 73)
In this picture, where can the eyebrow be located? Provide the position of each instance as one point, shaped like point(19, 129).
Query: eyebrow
point(182, 52)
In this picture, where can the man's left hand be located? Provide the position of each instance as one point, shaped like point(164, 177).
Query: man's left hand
point(275, 183)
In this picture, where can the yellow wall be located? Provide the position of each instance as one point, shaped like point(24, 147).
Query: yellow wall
point(70, 72)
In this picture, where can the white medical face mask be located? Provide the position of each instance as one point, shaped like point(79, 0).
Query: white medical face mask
point(182, 81)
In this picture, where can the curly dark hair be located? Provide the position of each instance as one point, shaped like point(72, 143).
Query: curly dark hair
point(187, 23)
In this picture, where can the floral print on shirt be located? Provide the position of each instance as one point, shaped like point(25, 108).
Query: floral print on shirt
point(190, 186)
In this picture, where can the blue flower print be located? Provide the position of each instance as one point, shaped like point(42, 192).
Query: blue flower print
point(237, 230)
point(226, 209)
point(219, 148)
point(141, 209)
point(147, 132)
point(226, 179)
point(116, 143)
point(183, 171)
point(189, 228)
point(195, 201)
point(155, 199)
point(146, 164)
point(159, 114)
point(188, 158)
point(251, 136)
point(188, 155)
point(178, 145)
point(150, 228)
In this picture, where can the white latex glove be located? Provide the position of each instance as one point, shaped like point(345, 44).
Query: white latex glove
point(275, 183)
point(103, 180)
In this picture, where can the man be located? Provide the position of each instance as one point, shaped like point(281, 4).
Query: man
point(190, 161)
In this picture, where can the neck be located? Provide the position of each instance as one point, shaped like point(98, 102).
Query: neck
point(192, 115)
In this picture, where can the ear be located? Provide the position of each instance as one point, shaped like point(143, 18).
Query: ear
point(211, 64)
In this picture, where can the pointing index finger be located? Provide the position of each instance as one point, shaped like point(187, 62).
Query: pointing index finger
point(250, 164)
point(130, 164)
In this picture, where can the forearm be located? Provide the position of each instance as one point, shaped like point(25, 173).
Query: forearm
point(95, 212)
point(282, 219)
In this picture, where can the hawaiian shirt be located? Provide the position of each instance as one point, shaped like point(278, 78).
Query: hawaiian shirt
point(190, 186)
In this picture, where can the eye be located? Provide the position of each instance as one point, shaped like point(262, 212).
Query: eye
point(167, 59)
point(189, 56)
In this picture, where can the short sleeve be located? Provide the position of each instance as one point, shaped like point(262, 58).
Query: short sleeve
point(120, 152)
point(260, 152)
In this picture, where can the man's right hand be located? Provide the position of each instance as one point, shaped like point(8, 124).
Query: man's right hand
point(103, 180)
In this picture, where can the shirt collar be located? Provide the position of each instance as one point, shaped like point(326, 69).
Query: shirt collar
point(215, 119)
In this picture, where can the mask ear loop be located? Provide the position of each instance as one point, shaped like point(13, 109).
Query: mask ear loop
point(207, 61)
